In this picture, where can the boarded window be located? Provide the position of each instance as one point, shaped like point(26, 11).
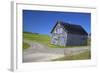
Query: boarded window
point(54, 40)
point(59, 30)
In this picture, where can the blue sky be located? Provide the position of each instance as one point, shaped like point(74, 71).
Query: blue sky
point(43, 21)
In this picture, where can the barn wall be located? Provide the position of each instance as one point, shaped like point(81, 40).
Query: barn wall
point(64, 39)
point(59, 39)
point(73, 39)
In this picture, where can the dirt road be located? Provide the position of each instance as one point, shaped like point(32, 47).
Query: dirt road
point(38, 52)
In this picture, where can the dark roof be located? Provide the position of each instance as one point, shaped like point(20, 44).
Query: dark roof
point(72, 28)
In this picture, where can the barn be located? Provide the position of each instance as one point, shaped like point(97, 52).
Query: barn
point(66, 34)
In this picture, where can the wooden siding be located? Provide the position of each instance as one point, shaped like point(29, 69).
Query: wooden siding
point(73, 39)
point(59, 37)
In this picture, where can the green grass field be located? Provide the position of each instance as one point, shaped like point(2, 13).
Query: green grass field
point(81, 56)
point(42, 39)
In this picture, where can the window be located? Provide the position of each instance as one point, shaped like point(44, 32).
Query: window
point(59, 30)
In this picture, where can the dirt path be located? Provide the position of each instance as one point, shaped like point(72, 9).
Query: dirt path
point(39, 52)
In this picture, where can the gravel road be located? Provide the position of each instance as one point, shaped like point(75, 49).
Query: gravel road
point(39, 53)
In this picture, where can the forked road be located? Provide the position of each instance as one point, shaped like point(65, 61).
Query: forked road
point(39, 52)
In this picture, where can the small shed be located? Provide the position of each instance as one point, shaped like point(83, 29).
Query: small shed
point(66, 34)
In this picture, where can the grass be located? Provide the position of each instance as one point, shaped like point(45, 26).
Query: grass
point(81, 56)
point(42, 39)
point(25, 45)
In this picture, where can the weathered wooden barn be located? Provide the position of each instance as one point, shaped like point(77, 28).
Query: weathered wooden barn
point(66, 34)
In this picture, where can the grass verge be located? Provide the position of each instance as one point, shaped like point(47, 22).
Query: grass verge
point(81, 56)
point(25, 45)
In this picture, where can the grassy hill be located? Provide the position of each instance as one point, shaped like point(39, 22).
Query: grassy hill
point(42, 39)
point(39, 38)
